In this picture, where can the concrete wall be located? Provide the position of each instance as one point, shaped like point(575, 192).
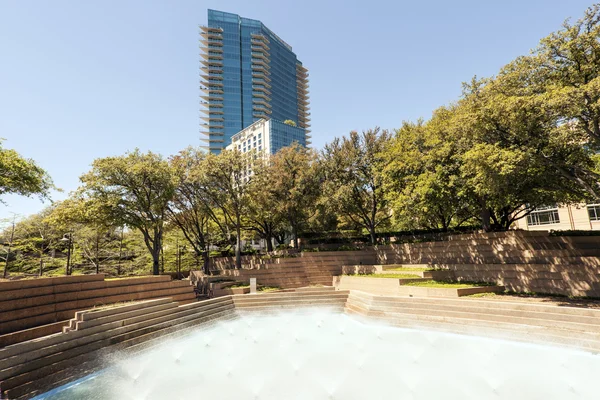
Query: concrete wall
point(521, 261)
point(35, 307)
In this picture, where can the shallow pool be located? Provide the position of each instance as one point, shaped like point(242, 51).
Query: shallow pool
point(326, 355)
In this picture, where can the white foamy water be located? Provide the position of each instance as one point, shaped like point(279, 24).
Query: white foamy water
point(325, 355)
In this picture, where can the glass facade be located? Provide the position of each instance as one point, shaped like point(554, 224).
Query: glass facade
point(594, 212)
point(544, 216)
point(249, 73)
point(283, 135)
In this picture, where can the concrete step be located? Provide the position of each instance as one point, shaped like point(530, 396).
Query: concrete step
point(525, 333)
point(29, 317)
point(477, 303)
point(26, 382)
point(522, 318)
point(47, 356)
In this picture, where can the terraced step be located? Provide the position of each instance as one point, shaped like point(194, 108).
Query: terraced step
point(68, 369)
point(501, 330)
point(32, 365)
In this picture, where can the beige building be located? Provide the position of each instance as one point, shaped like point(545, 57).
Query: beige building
point(574, 217)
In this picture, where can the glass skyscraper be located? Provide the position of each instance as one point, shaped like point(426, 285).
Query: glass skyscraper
point(248, 73)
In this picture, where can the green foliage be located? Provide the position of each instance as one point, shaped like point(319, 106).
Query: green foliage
point(22, 176)
point(133, 190)
point(292, 179)
point(353, 179)
point(290, 122)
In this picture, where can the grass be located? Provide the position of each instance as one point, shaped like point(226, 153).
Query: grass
point(449, 285)
point(397, 276)
point(482, 295)
point(268, 289)
point(410, 269)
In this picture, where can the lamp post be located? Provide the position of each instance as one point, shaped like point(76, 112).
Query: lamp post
point(68, 239)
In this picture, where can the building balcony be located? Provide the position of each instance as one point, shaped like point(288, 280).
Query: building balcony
point(209, 57)
point(212, 83)
point(260, 108)
point(260, 68)
point(212, 99)
point(210, 119)
point(211, 90)
point(211, 133)
point(212, 110)
point(212, 70)
point(260, 81)
point(261, 102)
point(212, 63)
point(213, 79)
point(259, 37)
point(261, 75)
point(259, 46)
point(261, 88)
point(259, 114)
point(210, 43)
point(263, 56)
point(211, 35)
point(217, 125)
point(205, 28)
point(260, 61)
point(262, 95)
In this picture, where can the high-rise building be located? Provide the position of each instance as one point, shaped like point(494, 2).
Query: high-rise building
point(248, 73)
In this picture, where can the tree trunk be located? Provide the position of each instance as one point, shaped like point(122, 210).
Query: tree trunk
point(12, 234)
point(206, 260)
point(372, 235)
point(238, 248)
point(269, 240)
point(120, 254)
point(485, 219)
point(156, 261)
point(295, 236)
point(97, 254)
point(41, 263)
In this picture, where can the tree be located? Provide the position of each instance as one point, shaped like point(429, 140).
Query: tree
point(262, 216)
point(22, 176)
point(192, 209)
point(135, 190)
point(353, 179)
point(294, 184)
point(290, 122)
point(224, 180)
point(514, 152)
point(563, 72)
point(421, 174)
point(8, 242)
point(37, 233)
point(89, 224)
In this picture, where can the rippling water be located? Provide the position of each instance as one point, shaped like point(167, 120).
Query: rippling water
point(326, 355)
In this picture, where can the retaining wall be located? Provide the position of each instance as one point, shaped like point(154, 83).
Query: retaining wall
point(519, 260)
point(36, 307)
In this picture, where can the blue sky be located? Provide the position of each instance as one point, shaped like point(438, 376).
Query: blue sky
point(86, 79)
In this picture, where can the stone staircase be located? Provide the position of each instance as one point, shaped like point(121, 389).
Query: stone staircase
point(326, 297)
point(549, 324)
point(35, 366)
point(32, 367)
point(37, 307)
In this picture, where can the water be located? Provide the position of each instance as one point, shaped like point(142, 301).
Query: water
point(326, 355)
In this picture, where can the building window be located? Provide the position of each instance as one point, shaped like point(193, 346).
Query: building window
point(594, 212)
point(544, 216)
